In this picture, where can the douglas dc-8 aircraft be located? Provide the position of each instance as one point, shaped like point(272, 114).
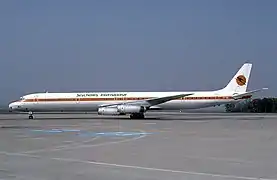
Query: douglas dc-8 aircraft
point(136, 104)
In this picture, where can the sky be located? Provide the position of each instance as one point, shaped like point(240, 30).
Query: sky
point(143, 45)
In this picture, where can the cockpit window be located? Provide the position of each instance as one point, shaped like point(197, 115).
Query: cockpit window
point(22, 98)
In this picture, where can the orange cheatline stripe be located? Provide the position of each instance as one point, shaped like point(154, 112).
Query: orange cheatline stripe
point(123, 99)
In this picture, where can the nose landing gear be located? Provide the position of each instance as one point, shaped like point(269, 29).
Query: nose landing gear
point(31, 115)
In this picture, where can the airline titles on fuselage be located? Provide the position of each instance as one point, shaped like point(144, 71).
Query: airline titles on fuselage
point(100, 95)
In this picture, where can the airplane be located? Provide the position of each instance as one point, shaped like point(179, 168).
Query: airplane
point(136, 104)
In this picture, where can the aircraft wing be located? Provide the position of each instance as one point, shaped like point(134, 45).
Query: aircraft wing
point(249, 93)
point(149, 102)
point(160, 100)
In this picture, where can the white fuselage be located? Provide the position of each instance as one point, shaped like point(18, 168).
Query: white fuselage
point(135, 103)
point(90, 101)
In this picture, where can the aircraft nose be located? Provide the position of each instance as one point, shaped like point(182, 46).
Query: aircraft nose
point(11, 105)
point(14, 105)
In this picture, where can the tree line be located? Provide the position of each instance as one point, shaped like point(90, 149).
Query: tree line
point(258, 105)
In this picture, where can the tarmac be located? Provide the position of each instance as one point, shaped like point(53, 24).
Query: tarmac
point(164, 146)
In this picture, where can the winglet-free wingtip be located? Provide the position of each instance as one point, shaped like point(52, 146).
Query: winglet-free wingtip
point(265, 88)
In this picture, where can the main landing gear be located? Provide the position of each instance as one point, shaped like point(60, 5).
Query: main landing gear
point(137, 116)
point(31, 115)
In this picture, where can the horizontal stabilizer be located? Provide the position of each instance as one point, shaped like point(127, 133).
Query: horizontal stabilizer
point(247, 94)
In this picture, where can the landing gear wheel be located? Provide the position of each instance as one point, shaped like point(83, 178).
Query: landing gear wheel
point(31, 115)
point(137, 116)
point(141, 116)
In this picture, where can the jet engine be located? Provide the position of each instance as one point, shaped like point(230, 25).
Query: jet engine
point(108, 111)
point(129, 109)
point(121, 110)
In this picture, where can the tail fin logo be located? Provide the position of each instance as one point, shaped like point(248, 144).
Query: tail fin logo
point(241, 80)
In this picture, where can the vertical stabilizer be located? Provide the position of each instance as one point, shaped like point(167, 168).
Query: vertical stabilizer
point(240, 81)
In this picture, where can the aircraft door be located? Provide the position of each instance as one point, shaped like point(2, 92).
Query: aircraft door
point(77, 100)
point(39, 99)
point(36, 99)
point(77, 104)
point(33, 106)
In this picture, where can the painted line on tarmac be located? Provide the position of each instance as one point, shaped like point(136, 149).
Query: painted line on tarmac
point(55, 130)
point(194, 121)
point(62, 147)
point(91, 145)
point(138, 167)
point(92, 134)
point(113, 134)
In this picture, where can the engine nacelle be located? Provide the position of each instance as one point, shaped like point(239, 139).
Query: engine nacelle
point(128, 109)
point(108, 111)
